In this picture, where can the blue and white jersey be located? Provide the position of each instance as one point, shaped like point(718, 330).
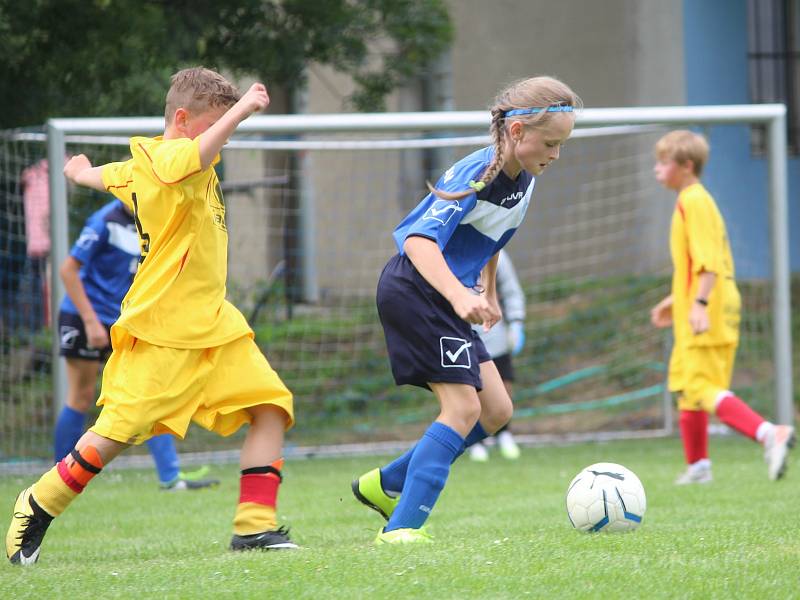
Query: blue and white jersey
point(471, 230)
point(108, 250)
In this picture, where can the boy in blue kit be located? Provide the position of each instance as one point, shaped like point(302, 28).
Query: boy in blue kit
point(97, 274)
point(443, 280)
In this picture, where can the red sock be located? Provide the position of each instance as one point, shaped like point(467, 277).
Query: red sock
point(258, 496)
point(694, 433)
point(732, 411)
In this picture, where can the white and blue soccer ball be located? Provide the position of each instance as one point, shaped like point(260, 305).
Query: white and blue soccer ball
point(606, 497)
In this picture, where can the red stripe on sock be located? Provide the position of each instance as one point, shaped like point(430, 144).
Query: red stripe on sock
point(261, 489)
point(67, 478)
point(732, 411)
point(694, 433)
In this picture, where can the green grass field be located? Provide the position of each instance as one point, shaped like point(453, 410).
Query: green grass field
point(500, 530)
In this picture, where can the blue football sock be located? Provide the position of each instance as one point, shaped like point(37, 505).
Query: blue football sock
point(393, 475)
point(427, 473)
point(477, 434)
point(162, 447)
point(69, 429)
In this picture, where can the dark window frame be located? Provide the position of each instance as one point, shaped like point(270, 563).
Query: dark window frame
point(773, 64)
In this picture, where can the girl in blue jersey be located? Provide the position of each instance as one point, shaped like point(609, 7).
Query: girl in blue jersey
point(97, 275)
point(442, 280)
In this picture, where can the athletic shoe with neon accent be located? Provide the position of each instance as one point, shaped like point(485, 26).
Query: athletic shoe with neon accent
point(403, 536)
point(27, 529)
point(198, 473)
point(508, 446)
point(179, 483)
point(777, 443)
point(368, 490)
point(276, 539)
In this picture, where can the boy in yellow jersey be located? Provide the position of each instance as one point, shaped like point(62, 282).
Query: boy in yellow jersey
point(181, 351)
point(704, 309)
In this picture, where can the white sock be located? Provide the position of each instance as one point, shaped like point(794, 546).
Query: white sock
point(763, 430)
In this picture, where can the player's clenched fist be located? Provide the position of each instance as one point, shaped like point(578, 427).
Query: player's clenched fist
point(255, 99)
point(75, 165)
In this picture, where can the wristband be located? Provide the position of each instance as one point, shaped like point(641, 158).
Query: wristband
point(702, 301)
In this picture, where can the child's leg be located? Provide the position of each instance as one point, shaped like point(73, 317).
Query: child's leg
point(731, 410)
point(444, 441)
point(496, 407)
point(393, 475)
point(709, 370)
point(694, 434)
point(162, 448)
point(710, 382)
point(37, 505)
point(436, 450)
point(60, 485)
point(496, 411)
point(261, 465)
point(81, 382)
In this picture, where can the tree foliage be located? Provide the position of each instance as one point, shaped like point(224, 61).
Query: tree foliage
point(114, 57)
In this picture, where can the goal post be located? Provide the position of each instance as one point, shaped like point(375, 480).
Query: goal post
point(311, 201)
point(771, 115)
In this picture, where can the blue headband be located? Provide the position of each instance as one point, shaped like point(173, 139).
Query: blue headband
point(533, 111)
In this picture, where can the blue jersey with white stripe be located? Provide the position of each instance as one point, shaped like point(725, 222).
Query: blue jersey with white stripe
point(471, 230)
point(108, 250)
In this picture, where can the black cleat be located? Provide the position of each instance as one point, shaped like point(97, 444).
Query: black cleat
point(277, 539)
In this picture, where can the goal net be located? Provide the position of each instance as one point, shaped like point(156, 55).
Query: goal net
point(311, 203)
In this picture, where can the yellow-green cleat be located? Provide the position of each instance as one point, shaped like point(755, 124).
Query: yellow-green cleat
point(368, 490)
point(403, 536)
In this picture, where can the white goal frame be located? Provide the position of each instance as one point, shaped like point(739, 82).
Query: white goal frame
point(772, 116)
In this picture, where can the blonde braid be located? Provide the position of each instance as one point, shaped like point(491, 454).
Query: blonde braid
point(498, 131)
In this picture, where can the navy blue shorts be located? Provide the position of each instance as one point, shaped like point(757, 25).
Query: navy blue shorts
point(73, 341)
point(427, 341)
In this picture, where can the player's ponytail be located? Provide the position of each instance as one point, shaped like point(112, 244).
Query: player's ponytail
point(531, 101)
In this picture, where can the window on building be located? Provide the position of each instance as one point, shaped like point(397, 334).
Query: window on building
point(773, 43)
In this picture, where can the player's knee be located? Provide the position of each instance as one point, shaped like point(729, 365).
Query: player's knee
point(463, 416)
point(470, 412)
point(496, 415)
point(505, 412)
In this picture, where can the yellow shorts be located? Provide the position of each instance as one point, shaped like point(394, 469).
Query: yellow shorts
point(700, 374)
point(149, 390)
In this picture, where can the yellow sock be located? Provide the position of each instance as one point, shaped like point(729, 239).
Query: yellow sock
point(52, 494)
point(252, 517)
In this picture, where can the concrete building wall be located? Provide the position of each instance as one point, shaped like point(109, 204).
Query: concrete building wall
point(613, 53)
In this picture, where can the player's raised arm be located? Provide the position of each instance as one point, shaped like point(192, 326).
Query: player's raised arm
point(79, 170)
point(255, 99)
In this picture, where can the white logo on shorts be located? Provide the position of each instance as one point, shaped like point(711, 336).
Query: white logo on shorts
point(68, 336)
point(454, 352)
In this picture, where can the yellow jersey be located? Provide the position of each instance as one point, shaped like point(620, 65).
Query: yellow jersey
point(177, 298)
point(699, 242)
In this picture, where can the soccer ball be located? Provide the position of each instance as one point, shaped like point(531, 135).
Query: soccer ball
point(606, 497)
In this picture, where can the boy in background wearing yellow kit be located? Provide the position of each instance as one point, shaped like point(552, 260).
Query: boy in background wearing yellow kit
point(704, 311)
point(181, 351)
